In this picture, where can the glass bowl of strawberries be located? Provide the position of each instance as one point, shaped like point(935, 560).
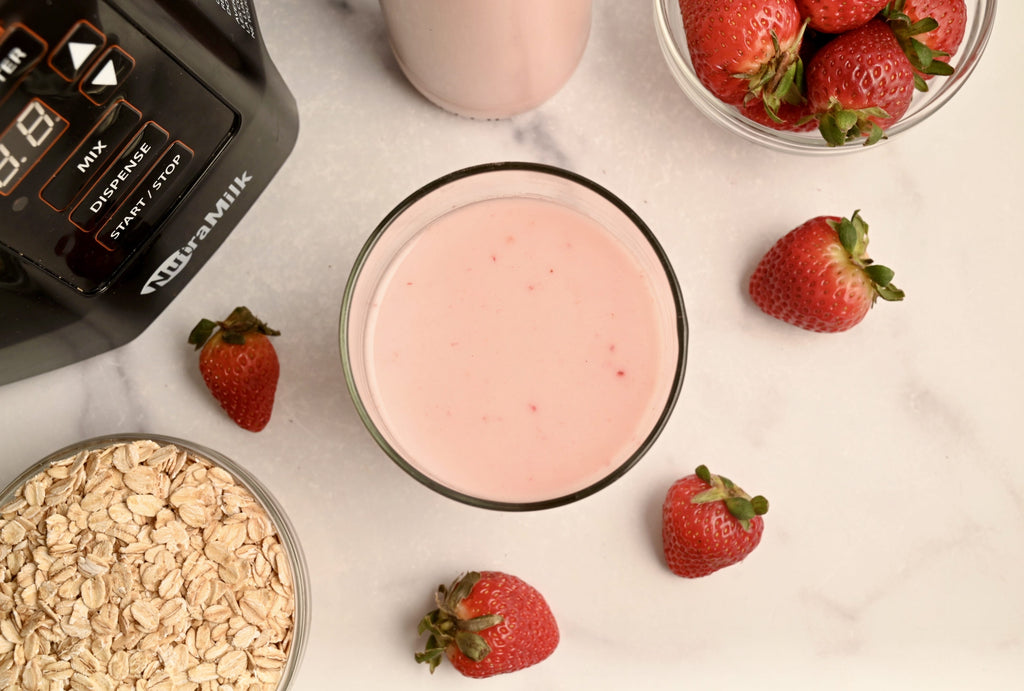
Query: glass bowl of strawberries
point(822, 76)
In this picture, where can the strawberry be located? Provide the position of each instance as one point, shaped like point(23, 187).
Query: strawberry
point(818, 276)
point(745, 50)
point(239, 365)
point(860, 84)
point(488, 623)
point(708, 523)
point(930, 32)
point(837, 16)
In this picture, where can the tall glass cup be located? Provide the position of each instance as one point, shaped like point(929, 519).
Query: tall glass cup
point(488, 59)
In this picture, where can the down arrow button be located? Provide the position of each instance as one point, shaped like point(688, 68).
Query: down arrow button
point(109, 73)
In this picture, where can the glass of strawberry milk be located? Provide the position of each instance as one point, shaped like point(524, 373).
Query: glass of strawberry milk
point(513, 336)
point(487, 59)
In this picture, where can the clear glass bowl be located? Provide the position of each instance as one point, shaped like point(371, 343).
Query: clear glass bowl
point(285, 530)
point(669, 27)
point(390, 242)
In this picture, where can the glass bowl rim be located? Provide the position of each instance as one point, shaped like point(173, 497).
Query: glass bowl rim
point(282, 523)
point(979, 31)
point(681, 333)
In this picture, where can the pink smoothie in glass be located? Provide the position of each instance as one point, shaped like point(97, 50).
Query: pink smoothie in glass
point(488, 58)
point(516, 351)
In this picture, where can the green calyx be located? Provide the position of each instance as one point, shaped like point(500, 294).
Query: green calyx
point(924, 60)
point(853, 236)
point(446, 627)
point(781, 79)
point(839, 125)
point(741, 505)
point(240, 323)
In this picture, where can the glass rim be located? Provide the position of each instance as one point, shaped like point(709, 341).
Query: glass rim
point(681, 332)
point(289, 537)
point(979, 31)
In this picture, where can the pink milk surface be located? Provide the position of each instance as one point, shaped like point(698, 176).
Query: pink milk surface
point(514, 351)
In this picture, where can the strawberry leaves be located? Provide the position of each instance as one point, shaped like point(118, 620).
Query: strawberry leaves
point(853, 236)
point(233, 330)
point(445, 627)
point(839, 125)
point(780, 80)
point(923, 58)
point(741, 505)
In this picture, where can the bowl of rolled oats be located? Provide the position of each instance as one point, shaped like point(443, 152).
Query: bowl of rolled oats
point(142, 561)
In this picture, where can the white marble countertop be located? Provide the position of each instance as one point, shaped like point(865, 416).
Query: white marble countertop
point(892, 555)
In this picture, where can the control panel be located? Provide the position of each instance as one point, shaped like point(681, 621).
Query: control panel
point(134, 137)
point(101, 132)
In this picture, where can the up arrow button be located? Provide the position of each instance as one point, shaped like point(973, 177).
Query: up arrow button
point(76, 49)
point(107, 75)
point(80, 53)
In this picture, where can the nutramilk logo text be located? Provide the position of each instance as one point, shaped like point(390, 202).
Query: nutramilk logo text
point(174, 264)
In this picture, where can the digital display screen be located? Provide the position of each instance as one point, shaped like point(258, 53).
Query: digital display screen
point(25, 141)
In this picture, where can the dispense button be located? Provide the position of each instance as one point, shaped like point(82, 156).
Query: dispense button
point(133, 223)
point(77, 48)
point(20, 50)
point(113, 186)
point(107, 75)
point(91, 154)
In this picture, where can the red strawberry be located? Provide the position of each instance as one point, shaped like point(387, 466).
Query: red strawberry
point(818, 276)
point(745, 50)
point(860, 84)
point(239, 365)
point(488, 623)
point(930, 32)
point(708, 523)
point(837, 16)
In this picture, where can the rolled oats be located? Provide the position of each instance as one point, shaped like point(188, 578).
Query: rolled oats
point(141, 566)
